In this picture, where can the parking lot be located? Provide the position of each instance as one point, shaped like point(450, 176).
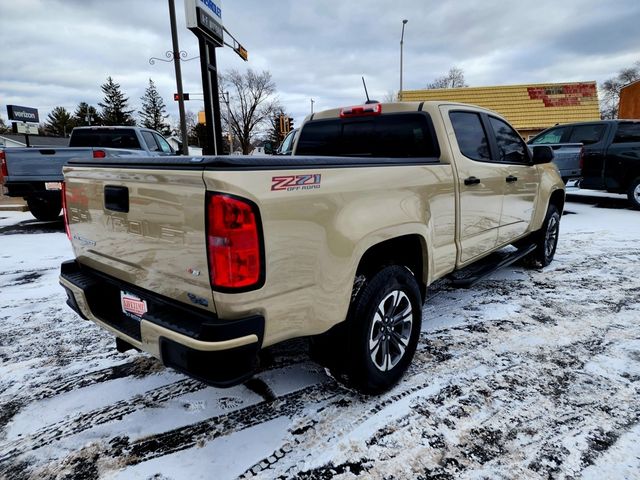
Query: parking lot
point(528, 374)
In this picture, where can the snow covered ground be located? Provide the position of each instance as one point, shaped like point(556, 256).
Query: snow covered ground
point(529, 374)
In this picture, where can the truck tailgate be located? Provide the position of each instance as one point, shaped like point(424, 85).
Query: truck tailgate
point(143, 226)
point(42, 164)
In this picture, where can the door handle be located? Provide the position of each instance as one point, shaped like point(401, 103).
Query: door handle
point(471, 181)
point(511, 178)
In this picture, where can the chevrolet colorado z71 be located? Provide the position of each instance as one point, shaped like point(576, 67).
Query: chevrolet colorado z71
point(204, 261)
point(36, 173)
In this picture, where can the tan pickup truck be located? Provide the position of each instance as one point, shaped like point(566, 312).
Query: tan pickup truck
point(204, 261)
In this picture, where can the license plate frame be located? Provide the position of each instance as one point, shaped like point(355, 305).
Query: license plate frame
point(132, 305)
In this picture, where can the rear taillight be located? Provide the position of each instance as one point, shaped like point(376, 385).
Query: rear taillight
point(65, 211)
point(99, 154)
point(3, 166)
point(361, 110)
point(234, 246)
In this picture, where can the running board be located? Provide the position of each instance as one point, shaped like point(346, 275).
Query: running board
point(469, 276)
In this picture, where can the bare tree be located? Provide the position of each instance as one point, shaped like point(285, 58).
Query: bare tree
point(390, 97)
point(611, 90)
point(252, 104)
point(453, 79)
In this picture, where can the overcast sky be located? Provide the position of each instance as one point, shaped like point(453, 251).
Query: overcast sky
point(59, 52)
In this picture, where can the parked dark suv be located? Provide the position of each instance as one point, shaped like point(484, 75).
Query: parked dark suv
point(611, 154)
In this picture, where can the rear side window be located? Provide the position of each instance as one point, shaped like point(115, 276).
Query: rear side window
point(587, 134)
point(407, 135)
point(627, 133)
point(105, 138)
point(552, 136)
point(470, 134)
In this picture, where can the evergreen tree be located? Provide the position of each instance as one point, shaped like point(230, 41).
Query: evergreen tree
point(59, 122)
point(153, 113)
point(114, 105)
point(86, 114)
point(3, 126)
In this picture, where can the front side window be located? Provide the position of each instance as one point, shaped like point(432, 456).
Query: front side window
point(164, 145)
point(551, 136)
point(470, 134)
point(150, 141)
point(587, 134)
point(627, 133)
point(511, 147)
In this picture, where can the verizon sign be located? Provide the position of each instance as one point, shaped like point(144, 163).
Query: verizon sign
point(205, 16)
point(22, 114)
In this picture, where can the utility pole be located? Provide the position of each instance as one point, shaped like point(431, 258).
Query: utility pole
point(176, 64)
point(312, 102)
point(404, 22)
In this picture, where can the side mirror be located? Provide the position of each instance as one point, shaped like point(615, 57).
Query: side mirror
point(542, 154)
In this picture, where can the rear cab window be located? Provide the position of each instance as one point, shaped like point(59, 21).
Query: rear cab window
point(392, 135)
point(105, 138)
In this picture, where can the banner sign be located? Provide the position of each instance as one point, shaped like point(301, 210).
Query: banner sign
point(22, 114)
point(205, 16)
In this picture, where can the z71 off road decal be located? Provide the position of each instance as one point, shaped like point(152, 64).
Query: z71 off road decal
point(295, 182)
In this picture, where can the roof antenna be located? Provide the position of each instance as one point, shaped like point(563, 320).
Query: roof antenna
point(367, 94)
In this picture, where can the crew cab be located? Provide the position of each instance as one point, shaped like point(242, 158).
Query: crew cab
point(204, 261)
point(36, 173)
point(611, 154)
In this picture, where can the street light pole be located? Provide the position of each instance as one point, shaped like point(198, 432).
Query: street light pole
point(312, 102)
point(176, 63)
point(404, 22)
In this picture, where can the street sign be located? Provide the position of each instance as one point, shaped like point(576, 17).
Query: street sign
point(27, 129)
point(22, 114)
point(205, 16)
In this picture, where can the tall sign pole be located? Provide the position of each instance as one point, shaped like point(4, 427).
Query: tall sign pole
point(176, 64)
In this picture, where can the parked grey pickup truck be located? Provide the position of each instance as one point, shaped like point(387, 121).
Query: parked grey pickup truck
point(568, 157)
point(36, 173)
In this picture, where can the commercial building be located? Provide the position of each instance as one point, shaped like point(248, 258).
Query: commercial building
point(630, 101)
point(529, 108)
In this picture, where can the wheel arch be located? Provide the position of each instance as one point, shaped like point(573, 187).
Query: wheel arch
point(408, 250)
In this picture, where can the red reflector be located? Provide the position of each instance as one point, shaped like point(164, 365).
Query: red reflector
point(3, 166)
point(99, 154)
point(233, 242)
point(65, 212)
point(361, 110)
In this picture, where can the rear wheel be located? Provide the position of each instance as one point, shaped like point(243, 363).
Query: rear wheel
point(45, 208)
point(633, 194)
point(382, 330)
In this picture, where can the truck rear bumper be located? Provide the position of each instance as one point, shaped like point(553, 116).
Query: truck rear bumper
point(195, 342)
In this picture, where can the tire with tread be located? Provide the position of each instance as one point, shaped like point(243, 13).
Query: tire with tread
point(633, 193)
point(545, 239)
point(388, 306)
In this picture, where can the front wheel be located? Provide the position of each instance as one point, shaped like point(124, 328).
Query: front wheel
point(546, 239)
point(633, 194)
point(383, 328)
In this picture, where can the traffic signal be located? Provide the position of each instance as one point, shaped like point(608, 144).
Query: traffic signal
point(289, 124)
point(176, 96)
point(242, 52)
point(281, 125)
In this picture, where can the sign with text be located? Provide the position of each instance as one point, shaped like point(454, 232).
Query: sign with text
point(205, 16)
point(22, 114)
point(27, 129)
